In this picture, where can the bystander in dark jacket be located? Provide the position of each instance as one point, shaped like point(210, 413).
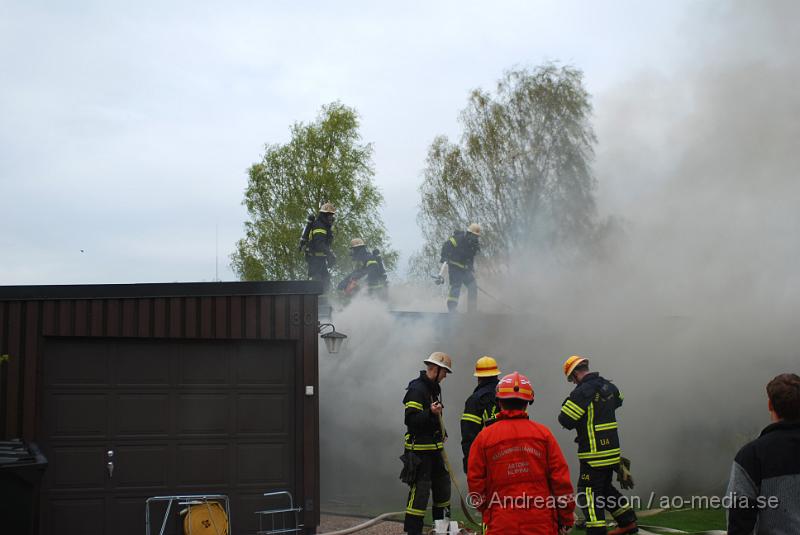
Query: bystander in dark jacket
point(764, 489)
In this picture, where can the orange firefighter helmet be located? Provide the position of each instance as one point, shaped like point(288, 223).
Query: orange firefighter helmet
point(515, 386)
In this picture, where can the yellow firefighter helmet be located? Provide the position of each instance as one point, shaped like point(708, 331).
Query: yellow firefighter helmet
point(474, 228)
point(327, 208)
point(356, 242)
point(486, 367)
point(573, 362)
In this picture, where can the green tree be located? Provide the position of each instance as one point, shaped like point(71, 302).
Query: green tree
point(324, 161)
point(522, 169)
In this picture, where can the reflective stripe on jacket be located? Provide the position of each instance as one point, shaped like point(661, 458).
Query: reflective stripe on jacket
point(590, 409)
point(370, 266)
point(423, 432)
point(480, 410)
point(320, 238)
point(459, 251)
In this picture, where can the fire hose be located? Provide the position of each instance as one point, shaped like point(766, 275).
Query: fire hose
point(369, 523)
point(496, 300)
point(464, 507)
point(439, 279)
point(384, 516)
point(363, 525)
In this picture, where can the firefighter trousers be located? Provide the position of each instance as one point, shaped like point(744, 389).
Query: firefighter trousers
point(431, 476)
point(458, 277)
point(318, 270)
point(597, 494)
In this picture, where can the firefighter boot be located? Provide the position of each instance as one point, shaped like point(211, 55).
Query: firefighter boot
point(627, 528)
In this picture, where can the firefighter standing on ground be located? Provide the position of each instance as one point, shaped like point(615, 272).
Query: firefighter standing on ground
point(590, 410)
point(518, 477)
point(459, 253)
point(480, 408)
point(368, 265)
point(424, 443)
point(318, 243)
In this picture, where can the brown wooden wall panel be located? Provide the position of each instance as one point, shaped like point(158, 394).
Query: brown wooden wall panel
point(295, 316)
point(280, 319)
point(96, 318)
point(235, 327)
point(113, 317)
point(49, 318)
point(176, 317)
point(251, 316)
point(14, 368)
point(144, 318)
point(3, 330)
point(159, 317)
point(221, 317)
point(3, 365)
point(206, 317)
point(65, 318)
point(26, 324)
point(190, 317)
point(81, 313)
point(265, 316)
point(309, 344)
point(129, 317)
point(31, 352)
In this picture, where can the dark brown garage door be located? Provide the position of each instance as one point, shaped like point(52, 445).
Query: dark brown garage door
point(174, 417)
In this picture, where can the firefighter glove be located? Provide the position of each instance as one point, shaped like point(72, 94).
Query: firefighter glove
point(411, 462)
point(624, 474)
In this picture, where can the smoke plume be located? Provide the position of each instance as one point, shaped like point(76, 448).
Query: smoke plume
point(691, 309)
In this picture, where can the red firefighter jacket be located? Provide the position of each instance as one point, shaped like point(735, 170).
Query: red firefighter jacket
point(519, 476)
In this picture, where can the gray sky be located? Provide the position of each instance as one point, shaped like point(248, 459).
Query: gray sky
point(126, 128)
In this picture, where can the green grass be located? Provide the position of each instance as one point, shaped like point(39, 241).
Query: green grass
point(688, 520)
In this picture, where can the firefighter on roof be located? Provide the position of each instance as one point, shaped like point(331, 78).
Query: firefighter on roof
point(459, 253)
point(316, 242)
point(369, 265)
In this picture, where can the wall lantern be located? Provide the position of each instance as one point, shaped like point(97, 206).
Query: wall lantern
point(333, 339)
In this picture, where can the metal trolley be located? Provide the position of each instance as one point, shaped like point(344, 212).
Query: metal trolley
point(283, 520)
point(196, 499)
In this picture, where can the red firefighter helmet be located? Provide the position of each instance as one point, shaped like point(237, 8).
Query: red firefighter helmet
point(515, 386)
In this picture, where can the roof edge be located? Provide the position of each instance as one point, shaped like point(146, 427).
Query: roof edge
point(169, 289)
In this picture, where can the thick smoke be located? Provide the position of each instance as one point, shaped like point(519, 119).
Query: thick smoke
point(690, 312)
